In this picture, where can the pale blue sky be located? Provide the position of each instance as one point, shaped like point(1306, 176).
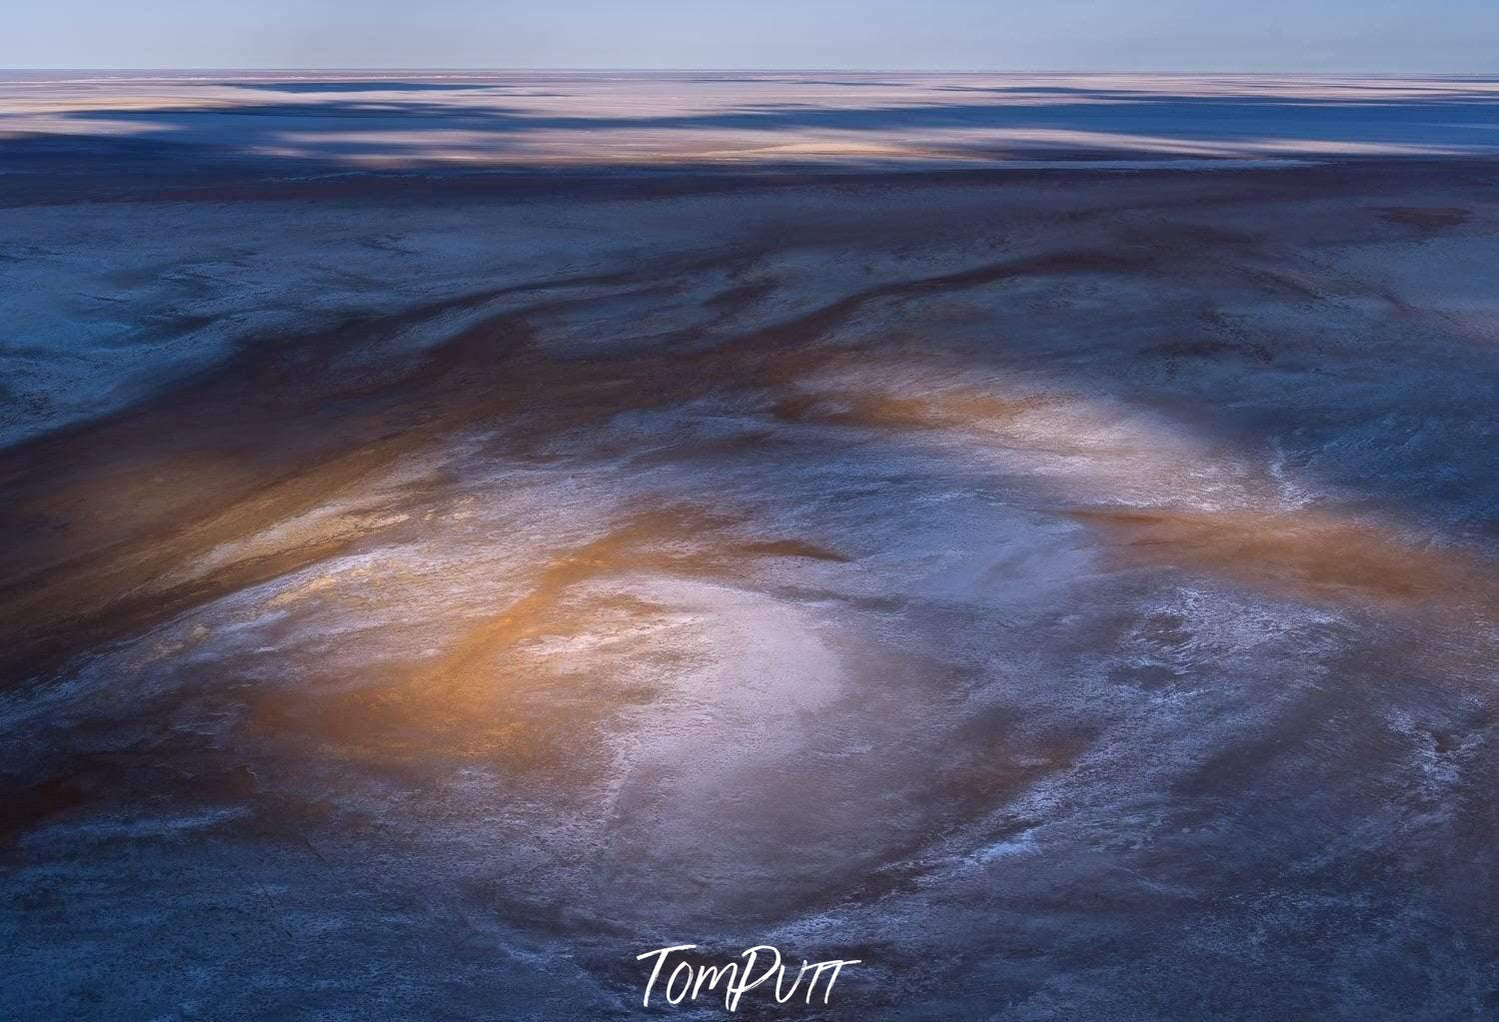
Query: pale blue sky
point(1249, 35)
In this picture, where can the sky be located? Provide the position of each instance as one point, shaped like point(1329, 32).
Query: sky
point(1455, 36)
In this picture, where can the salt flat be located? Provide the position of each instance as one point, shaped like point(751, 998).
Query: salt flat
point(466, 530)
point(390, 119)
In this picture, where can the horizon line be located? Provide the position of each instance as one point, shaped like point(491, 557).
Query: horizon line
point(601, 69)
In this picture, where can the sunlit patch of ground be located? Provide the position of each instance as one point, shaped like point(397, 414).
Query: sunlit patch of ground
point(1307, 554)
